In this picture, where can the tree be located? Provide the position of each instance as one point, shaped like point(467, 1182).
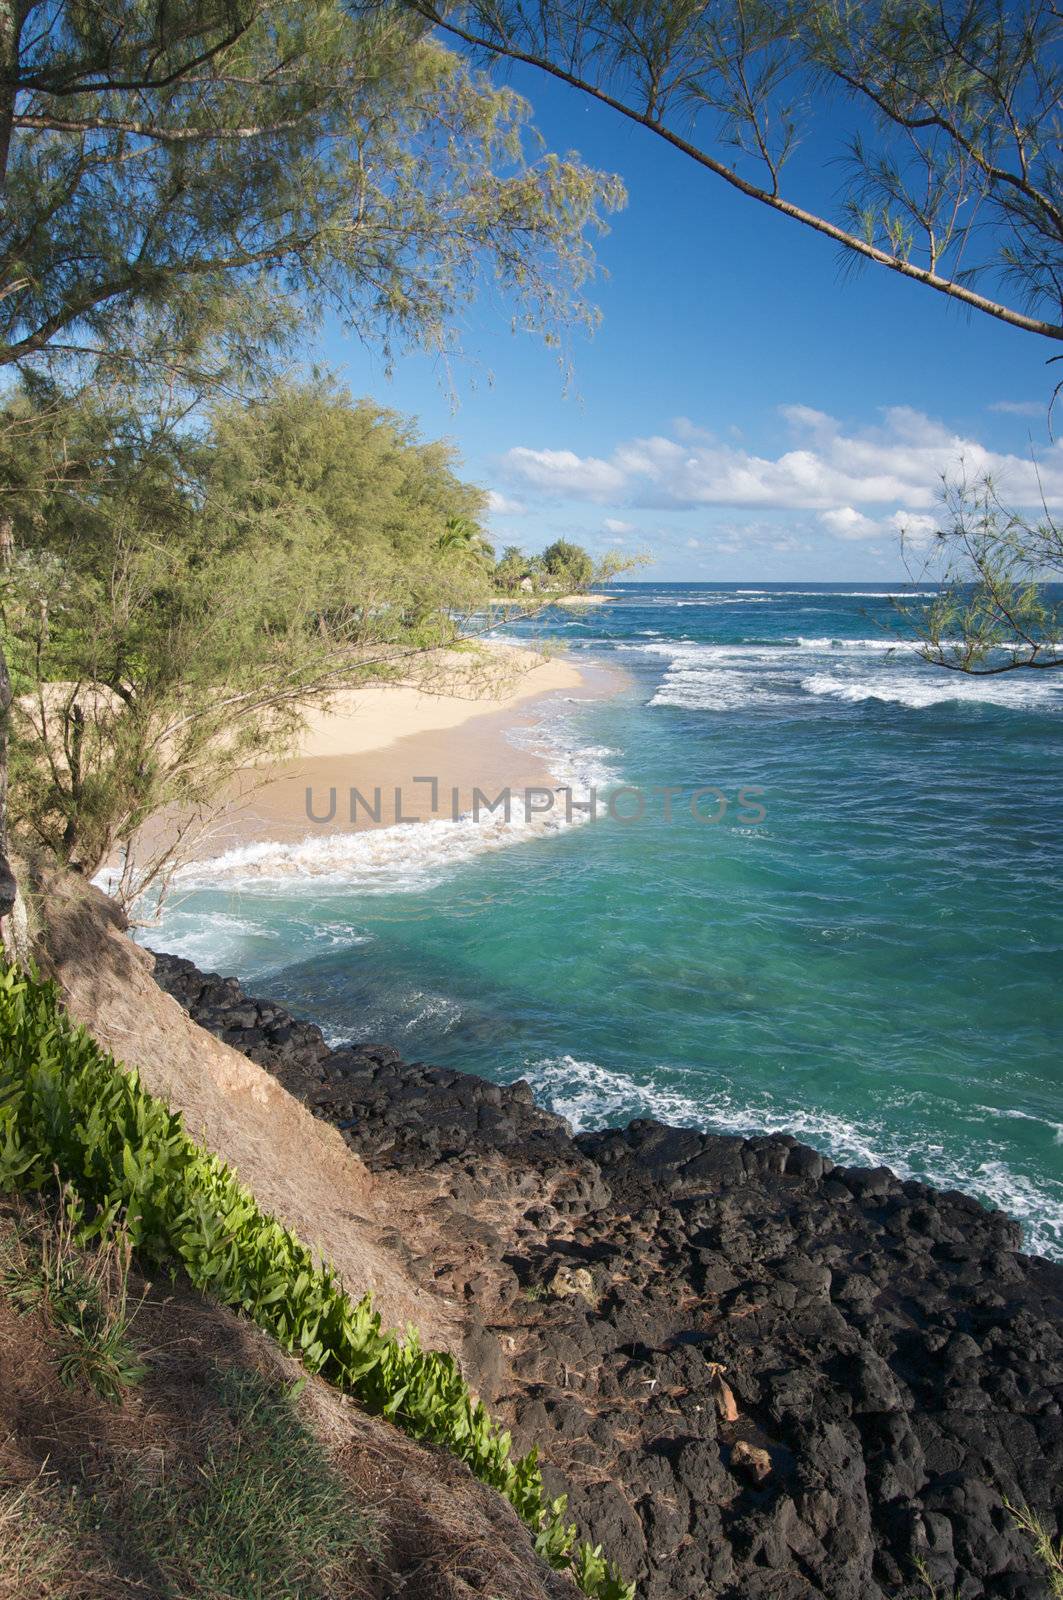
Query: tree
point(463, 541)
point(990, 614)
point(511, 569)
point(170, 180)
point(952, 154)
point(568, 564)
point(164, 180)
point(177, 599)
point(175, 603)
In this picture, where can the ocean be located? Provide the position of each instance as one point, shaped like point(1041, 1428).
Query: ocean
point(843, 921)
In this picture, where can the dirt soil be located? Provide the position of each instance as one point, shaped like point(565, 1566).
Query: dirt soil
point(434, 1532)
point(297, 1166)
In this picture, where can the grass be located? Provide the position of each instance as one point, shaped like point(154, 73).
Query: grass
point(249, 1506)
point(928, 1589)
point(82, 1296)
point(39, 1551)
point(257, 1513)
point(1049, 1550)
point(243, 1503)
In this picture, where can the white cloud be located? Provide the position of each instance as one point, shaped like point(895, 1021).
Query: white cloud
point(848, 523)
point(1020, 408)
point(858, 481)
point(807, 417)
point(693, 544)
point(614, 525)
point(501, 505)
point(563, 472)
point(685, 429)
point(916, 527)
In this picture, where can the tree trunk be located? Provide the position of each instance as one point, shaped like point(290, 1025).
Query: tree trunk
point(8, 886)
point(11, 20)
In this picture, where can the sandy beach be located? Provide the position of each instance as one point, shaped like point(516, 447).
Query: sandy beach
point(388, 753)
point(449, 690)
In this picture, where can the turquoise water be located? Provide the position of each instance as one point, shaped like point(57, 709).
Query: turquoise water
point(873, 966)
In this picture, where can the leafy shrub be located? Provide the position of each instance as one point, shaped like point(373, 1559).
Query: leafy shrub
point(70, 1114)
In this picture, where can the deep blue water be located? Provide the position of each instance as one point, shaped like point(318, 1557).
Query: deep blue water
point(874, 965)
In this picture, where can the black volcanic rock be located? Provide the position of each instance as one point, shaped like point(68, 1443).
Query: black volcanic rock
point(758, 1375)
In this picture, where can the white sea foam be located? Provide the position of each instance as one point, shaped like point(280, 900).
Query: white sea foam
point(691, 652)
point(376, 861)
point(593, 1096)
point(701, 676)
point(576, 766)
point(590, 1096)
point(415, 855)
point(217, 941)
point(847, 594)
point(789, 653)
point(726, 677)
point(864, 646)
point(1013, 1114)
point(702, 689)
point(936, 688)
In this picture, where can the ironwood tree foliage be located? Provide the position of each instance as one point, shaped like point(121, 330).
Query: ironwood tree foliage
point(185, 187)
point(175, 602)
point(171, 170)
point(992, 612)
point(177, 597)
point(944, 114)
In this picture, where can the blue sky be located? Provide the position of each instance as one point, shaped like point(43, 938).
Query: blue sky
point(747, 409)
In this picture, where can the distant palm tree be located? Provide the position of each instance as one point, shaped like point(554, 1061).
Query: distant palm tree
point(463, 539)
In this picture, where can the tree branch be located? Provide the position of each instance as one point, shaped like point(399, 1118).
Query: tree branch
point(147, 130)
point(862, 247)
point(104, 85)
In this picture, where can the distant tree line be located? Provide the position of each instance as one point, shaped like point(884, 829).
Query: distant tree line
point(563, 567)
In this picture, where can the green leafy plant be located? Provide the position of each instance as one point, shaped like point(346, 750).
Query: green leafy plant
point(70, 1115)
point(599, 1577)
